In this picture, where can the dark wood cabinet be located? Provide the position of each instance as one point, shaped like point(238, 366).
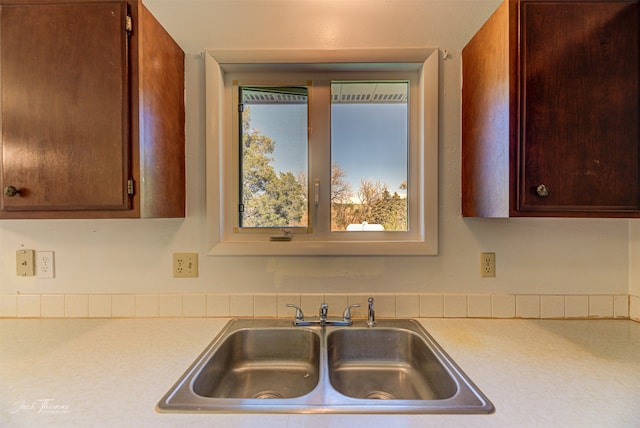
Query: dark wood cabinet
point(92, 112)
point(550, 111)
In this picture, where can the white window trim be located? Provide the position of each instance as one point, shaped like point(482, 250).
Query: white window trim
point(216, 64)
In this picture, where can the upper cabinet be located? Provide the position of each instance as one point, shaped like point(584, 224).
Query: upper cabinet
point(92, 112)
point(550, 111)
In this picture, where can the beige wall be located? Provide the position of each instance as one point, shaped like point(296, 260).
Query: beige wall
point(634, 258)
point(634, 270)
point(564, 256)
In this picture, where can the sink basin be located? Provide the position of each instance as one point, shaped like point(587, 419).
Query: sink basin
point(384, 363)
point(270, 366)
point(262, 363)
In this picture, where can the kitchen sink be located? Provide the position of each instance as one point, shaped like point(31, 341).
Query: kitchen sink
point(387, 364)
point(270, 366)
point(262, 363)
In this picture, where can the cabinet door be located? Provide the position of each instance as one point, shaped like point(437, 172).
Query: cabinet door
point(579, 106)
point(64, 106)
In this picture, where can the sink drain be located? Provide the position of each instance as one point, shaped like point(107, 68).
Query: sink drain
point(379, 395)
point(267, 394)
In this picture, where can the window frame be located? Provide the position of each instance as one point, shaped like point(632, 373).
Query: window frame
point(222, 65)
point(234, 81)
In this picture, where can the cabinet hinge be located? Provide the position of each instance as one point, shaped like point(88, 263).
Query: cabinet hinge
point(240, 208)
point(130, 188)
point(128, 24)
point(240, 108)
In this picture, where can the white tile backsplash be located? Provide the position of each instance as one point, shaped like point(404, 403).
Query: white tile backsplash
point(634, 307)
point(194, 305)
point(100, 305)
point(241, 305)
point(147, 305)
point(455, 305)
point(600, 306)
point(402, 305)
point(28, 306)
point(408, 305)
point(528, 306)
point(76, 305)
point(503, 306)
point(123, 305)
point(432, 305)
point(265, 305)
point(218, 305)
point(52, 306)
point(551, 306)
point(311, 302)
point(621, 306)
point(576, 306)
point(8, 305)
point(170, 305)
point(478, 306)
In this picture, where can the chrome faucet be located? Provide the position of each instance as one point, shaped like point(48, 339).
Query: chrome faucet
point(371, 317)
point(299, 314)
point(324, 308)
point(323, 319)
point(347, 312)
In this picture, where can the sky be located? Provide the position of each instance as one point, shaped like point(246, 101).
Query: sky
point(369, 141)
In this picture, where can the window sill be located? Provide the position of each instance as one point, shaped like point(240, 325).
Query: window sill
point(324, 248)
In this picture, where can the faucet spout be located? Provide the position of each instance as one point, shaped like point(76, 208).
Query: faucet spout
point(347, 312)
point(371, 318)
point(324, 309)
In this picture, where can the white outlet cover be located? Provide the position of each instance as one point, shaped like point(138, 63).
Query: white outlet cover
point(45, 265)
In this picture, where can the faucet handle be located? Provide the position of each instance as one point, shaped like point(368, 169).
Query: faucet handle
point(299, 314)
point(347, 311)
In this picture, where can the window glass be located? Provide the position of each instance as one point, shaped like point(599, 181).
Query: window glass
point(369, 156)
point(273, 157)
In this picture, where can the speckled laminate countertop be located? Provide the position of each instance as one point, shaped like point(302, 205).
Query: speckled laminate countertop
point(112, 372)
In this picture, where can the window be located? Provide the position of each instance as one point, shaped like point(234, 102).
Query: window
point(369, 155)
point(273, 150)
point(321, 157)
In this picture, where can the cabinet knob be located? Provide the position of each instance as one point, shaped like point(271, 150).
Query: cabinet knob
point(542, 190)
point(11, 191)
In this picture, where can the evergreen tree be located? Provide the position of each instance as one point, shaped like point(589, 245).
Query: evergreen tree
point(269, 198)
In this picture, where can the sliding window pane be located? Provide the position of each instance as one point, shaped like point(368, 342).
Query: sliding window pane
point(273, 157)
point(369, 156)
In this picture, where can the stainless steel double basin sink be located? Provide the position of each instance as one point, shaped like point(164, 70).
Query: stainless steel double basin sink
point(271, 366)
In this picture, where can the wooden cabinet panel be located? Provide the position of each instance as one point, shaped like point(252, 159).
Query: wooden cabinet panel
point(579, 108)
point(90, 106)
point(488, 117)
point(160, 125)
point(567, 132)
point(64, 107)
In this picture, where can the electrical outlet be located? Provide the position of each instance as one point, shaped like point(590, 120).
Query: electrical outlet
point(25, 263)
point(45, 265)
point(185, 265)
point(487, 265)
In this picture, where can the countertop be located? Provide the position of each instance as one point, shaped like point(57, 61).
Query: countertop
point(112, 372)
